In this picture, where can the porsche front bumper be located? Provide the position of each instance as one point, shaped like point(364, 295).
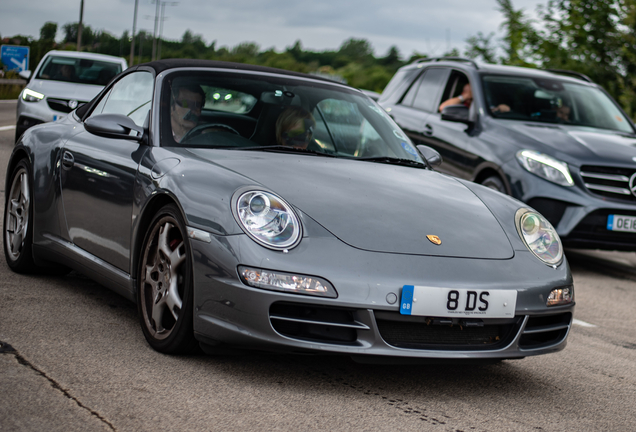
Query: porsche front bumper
point(365, 318)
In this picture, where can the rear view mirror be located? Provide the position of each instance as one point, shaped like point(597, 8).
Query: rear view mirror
point(26, 74)
point(114, 126)
point(456, 113)
point(280, 97)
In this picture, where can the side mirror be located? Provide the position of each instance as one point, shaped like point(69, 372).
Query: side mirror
point(26, 74)
point(114, 126)
point(431, 155)
point(456, 113)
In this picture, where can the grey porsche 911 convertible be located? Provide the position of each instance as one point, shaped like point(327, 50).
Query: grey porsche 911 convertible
point(246, 207)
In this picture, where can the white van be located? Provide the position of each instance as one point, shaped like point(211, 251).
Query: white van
point(63, 81)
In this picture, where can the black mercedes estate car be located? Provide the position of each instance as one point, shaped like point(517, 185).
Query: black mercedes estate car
point(552, 139)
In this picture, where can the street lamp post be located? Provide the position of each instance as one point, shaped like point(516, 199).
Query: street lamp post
point(79, 27)
point(154, 34)
point(141, 43)
point(132, 45)
point(163, 10)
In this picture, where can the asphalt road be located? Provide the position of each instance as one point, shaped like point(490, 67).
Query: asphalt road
point(73, 358)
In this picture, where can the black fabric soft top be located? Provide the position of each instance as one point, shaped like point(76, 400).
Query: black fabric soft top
point(162, 65)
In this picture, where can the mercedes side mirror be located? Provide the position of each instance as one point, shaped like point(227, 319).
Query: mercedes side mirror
point(25, 74)
point(456, 113)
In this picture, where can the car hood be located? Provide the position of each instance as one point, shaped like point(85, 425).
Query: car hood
point(580, 145)
point(377, 207)
point(65, 90)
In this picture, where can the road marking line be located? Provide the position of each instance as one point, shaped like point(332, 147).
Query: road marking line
point(582, 323)
point(4, 128)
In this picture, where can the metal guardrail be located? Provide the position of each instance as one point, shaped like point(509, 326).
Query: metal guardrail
point(12, 82)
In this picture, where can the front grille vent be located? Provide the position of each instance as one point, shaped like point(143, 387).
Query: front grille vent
point(546, 330)
point(446, 334)
point(609, 182)
point(62, 105)
point(316, 323)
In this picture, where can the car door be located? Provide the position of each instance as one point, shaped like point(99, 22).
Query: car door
point(412, 112)
point(453, 140)
point(98, 175)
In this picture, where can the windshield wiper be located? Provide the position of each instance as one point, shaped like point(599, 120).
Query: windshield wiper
point(286, 149)
point(394, 161)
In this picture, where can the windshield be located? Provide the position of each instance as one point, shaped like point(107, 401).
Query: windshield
point(552, 101)
point(77, 70)
point(221, 110)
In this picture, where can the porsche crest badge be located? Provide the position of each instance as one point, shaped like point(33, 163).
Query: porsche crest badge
point(434, 239)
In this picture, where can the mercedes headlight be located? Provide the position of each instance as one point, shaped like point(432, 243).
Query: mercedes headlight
point(539, 236)
point(545, 167)
point(268, 219)
point(29, 95)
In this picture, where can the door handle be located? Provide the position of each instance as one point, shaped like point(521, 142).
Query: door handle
point(67, 160)
point(428, 130)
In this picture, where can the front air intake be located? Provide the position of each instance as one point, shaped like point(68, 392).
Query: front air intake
point(315, 323)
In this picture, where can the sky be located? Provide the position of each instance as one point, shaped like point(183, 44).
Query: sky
point(426, 26)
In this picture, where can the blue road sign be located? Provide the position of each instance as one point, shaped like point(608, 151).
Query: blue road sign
point(15, 57)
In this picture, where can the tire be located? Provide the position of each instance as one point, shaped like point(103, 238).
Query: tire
point(164, 288)
point(18, 221)
point(494, 182)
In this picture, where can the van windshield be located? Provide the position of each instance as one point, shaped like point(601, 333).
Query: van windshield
point(552, 101)
point(78, 70)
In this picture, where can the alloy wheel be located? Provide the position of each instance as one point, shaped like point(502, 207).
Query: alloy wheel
point(163, 278)
point(17, 214)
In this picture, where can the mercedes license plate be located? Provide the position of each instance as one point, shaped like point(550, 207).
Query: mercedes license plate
point(621, 223)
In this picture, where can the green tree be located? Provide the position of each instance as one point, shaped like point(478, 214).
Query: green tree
point(480, 47)
point(70, 34)
point(628, 55)
point(46, 42)
point(520, 38)
point(356, 50)
point(48, 31)
point(585, 36)
point(392, 59)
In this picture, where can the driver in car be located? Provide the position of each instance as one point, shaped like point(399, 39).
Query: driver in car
point(185, 108)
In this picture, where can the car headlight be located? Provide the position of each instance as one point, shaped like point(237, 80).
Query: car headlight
point(539, 236)
point(286, 282)
point(268, 219)
point(29, 95)
point(545, 167)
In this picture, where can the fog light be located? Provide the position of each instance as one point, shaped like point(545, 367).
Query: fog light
point(560, 296)
point(286, 282)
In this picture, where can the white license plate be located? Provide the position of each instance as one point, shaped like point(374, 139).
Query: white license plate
point(621, 223)
point(453, 302)
point(58, 117)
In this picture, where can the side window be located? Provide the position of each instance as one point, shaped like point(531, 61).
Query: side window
point(428, 93)
point(455, 85)
point(398, 85)
point(410, 95)
point(130, 96)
